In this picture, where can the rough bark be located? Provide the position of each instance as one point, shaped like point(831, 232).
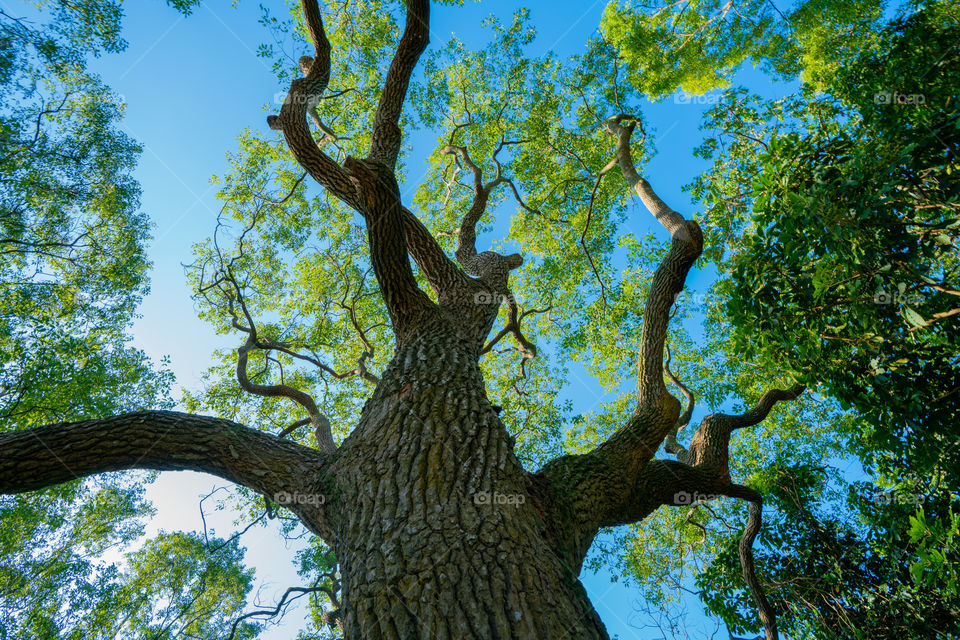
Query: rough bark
point(166, 441)
point(440, 532)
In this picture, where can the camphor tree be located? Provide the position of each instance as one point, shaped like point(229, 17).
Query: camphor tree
point(414, 477)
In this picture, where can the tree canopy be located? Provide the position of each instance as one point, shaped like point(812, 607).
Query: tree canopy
point(829, 221)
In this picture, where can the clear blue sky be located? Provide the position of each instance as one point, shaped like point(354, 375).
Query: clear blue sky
point(191, 84)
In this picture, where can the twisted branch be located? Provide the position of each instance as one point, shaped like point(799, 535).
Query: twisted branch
point(302, 97)
point(385, 138)
point(320, 423)
point(466, 252)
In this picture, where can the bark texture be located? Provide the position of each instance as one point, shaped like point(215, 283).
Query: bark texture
point(438, 534)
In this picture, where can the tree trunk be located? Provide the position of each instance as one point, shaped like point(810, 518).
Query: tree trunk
point(438, 530)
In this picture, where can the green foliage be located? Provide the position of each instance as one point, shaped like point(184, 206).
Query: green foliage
point(697, 45)
point(936, 565)
point(72, 271)
point(54, 588)
point(850, 277)
point(840, 561)
point(72, 262)
point(179, 585)
point(832, 219)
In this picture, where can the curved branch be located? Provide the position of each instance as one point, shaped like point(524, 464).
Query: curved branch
point(303, 96)
point(467, 234)
point(273, 613)
point(670, 219)
point(385, 138)
point(669, 483)
point(168, 441)
point(767, 615)
point(320, 424)
point(601, 481)
point(514, 320)
point(762, 409)
point(669, 278)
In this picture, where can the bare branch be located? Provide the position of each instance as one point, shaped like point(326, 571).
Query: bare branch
point(671, 445)
point(767, 615)
point(272, 613)
point(492, 267)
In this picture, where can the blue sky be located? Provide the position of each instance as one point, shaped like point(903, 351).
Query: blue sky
point(191, 84)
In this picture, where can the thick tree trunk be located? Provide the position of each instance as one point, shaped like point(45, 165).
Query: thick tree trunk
point(438, 532)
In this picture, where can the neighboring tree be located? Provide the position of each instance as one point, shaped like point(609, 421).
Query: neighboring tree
point(844, 569)
point(72, 270)
point(834, 224)
point(72, 257)
point(175, 585)
point(851, 275)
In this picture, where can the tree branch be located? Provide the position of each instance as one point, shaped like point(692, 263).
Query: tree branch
point(491, 266)
point(440, 271)
point(382, 210)
point(602, 481)
point(767, 615)
point(273, 613)
point(709, 447)
point(668, 483)
point(385, 139)
point(320, 423)
point(163, 440)
point(303, 96)
point(686, 245)
point(670, 443)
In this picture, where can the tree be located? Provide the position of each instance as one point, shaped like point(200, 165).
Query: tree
point(843, 565)
point(833, 222)
point(72, 260)
point(417, 486)
point(73, 268)
point(867, 303)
